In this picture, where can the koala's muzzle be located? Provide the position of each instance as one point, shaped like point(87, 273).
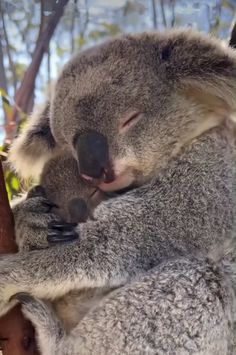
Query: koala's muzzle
point(93, 157)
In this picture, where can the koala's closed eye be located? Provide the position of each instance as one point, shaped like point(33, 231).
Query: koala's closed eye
point(129, 121)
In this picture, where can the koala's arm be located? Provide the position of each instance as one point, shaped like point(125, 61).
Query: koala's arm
point(33, 235)
point(191, 299)
point(134, 232)
point(102, 256)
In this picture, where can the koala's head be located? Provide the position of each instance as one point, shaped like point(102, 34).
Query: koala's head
point(124, 108)
point(63, 185)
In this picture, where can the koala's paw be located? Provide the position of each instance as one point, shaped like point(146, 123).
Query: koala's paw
point(61, 232)
point(8, 266)
point(38, 312)
point(32, 217)
point(48, 327)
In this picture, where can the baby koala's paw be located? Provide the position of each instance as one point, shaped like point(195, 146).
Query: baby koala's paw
point(32, 217)
point(61, 232)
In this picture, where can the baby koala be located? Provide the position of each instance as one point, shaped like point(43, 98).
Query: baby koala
point(67, 196)
point(71, 198)
point(63, 186)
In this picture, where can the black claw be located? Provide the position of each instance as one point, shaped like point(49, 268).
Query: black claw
point(60, 226)
point(53, 233)
point(58, 237)
point(61, 232)
point(22, 297)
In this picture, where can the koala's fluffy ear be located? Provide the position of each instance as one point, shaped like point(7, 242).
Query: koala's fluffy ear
point(205, 66)
point(34, 146)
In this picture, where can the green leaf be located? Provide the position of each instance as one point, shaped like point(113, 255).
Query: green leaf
point(60, 51)
point(81, 41)
point(95, 35)
point(15, 183)
point(112, 29)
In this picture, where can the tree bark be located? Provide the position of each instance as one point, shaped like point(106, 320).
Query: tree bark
point(163, 13)
point(8, 50)
point(24, 93)
point(3, 78)
point(16, 333)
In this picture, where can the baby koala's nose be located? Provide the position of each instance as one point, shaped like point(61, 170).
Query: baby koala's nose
point(93, 156)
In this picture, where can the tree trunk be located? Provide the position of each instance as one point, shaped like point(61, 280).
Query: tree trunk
point(16, 333)
point(163, 13)
point(8, 50)
point(24, 93)
point(3, 78)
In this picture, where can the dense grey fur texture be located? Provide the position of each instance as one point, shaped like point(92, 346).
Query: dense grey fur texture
point(61, 184)
point(152, 243)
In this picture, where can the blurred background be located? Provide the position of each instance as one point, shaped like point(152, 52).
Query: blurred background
point(38, 37)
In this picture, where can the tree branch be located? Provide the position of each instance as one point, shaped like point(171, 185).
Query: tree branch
point(16, 333)
point(72, 27)
point(3, 80)
point(11, 64)
point(163, 13)
point(154, 14)
point(172, 4)
point(24, 93)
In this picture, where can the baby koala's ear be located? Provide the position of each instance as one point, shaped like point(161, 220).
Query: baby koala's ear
point(34, 146)
point(204, 65)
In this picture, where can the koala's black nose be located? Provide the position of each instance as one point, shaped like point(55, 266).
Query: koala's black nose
point(93, 156)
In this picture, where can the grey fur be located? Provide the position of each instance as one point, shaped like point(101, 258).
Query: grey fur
point(60, 183)
point(180, 307)
point(153, 242)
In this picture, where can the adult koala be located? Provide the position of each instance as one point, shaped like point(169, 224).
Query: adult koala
point(151, 111)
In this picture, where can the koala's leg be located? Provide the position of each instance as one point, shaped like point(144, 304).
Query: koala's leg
point(182, 307)
point(101, 258)
point(49, 330)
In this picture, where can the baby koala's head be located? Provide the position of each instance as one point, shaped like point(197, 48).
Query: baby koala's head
point(61, 183)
